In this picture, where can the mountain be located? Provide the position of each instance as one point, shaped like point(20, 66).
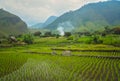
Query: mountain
point(38, 25)
point(50, 20)
point(11, 24)
point(47, 22)
point(90, 17)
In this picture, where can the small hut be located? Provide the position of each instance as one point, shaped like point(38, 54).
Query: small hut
point(12, 39)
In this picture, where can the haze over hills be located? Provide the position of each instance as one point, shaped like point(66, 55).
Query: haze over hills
point(47, 22)
point(11, 24)
point(91, 17)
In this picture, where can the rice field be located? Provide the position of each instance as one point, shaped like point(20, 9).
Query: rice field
point(61, 68)
point(27, 63)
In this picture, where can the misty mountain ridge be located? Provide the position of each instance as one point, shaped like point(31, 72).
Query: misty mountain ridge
point(11, 24)
point(47, 22)
point(91, 17)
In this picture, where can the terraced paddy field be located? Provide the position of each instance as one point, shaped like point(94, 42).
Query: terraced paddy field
point(37, 63)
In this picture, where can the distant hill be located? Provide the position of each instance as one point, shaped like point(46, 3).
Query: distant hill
point(91, 17)
point(36, 26)
point(11, 24)
point(47, 22)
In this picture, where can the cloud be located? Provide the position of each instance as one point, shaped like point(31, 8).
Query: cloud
point(33, 11)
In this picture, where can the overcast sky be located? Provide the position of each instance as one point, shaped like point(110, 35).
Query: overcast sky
point(34, 11)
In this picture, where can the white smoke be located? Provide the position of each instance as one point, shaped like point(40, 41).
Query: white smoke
point(68, 27)
point(65, 27)
point(61, 31)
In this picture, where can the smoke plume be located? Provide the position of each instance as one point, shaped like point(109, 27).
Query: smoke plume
point(65, 27)
point(61, 31)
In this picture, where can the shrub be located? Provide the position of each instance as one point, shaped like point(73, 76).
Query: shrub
point(38, 33)
point(96, 40)
point(67, 34)
point(116, 30)
point(28, 38)
point(103, 34)
point(48, 34)
point(112, 40)
point(70, 38)
point(57, 35)
point(0, 41)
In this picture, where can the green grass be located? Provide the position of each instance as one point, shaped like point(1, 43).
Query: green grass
point(22, 63)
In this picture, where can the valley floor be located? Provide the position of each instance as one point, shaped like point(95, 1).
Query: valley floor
point(45, 61)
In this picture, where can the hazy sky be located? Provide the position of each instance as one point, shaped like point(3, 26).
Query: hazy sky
point(34, 11)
